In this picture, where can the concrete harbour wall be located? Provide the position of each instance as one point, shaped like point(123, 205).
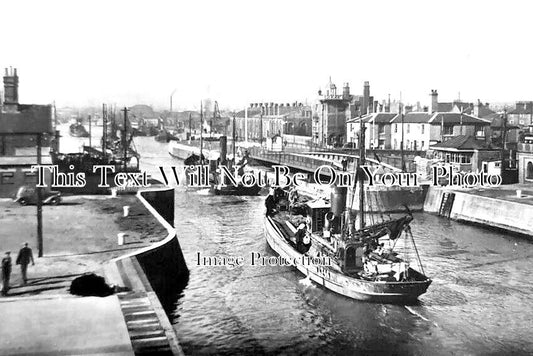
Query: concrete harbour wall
point(491, 212)
point(158, 271)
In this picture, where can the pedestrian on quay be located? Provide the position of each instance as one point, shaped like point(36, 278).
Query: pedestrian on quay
point(6, 272)
point(344, 164)
point(24, 258)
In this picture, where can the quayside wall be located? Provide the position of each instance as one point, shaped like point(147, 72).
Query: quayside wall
point(163, 262)
point(491, 212)
point(158, 271)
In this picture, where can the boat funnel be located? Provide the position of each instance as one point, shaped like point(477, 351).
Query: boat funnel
point(338, 205)
point(223, 149)
point(338, 200)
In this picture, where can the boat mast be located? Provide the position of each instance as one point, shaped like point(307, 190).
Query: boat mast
point(401, 142)
point(190, 127)
point(201, 131)
point(90, 132)
point(360, 174)
point(234, 158)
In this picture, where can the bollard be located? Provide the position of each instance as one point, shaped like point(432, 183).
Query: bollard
point(121, 238)
point(126, 210)
point(519, 193)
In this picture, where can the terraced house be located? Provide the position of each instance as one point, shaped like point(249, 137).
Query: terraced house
point(419, 130)
point(378, 130)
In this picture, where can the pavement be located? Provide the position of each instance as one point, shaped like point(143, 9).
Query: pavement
point(64, 325)
point(80, 236)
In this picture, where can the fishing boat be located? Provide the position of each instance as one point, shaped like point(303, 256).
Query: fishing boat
point(117, 153)
point(321, 240)
point(76, 129)
point(165, 136)
point(240, 188)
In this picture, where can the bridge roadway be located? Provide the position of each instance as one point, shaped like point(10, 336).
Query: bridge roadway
point(310, 161)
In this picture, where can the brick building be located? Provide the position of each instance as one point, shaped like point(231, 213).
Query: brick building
point(20, 126)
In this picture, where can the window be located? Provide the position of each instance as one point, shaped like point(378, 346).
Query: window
point(30, 176)
point(395, 128)
point(422, 133)
point(422, 144)
point(529, 173)
point(448, 130)
point(408, 129)
point(464, 159)
point(8, 178)
point(381, 128)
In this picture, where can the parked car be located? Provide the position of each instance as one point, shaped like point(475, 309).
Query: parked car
point(28, 195)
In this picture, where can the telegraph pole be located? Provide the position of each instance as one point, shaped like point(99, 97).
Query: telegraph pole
point(125, 138)
point(104, 132)
point(39, 203)
point(261, 128)
point(504, 138)
point(401, 142)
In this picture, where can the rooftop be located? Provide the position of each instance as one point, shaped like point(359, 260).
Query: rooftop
point(462, 143)
point(413, 117)
point(456, 118)
point(28, 119)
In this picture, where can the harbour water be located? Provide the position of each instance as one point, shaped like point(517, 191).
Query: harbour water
point(479, 302)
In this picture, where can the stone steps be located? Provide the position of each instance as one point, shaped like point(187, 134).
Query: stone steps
point(146, 333)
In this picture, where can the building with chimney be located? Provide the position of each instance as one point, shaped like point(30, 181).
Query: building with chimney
point(420, 130)
point(466, 153)
point(417, 130)
point(22, 126)
point(378, 130)
point(457, 106)
point(333, 110)
point(525, 158)
point(522, 114)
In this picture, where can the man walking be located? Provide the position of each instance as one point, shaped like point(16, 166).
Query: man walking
point(23, 259)
point(6, 272)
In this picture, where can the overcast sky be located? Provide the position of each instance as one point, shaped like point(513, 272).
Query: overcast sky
point(237, 52)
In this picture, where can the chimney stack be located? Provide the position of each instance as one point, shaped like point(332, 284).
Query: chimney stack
point(366, 98)
point(11, 88)
point(477, 108)
point(346, 91)
point(434, 106)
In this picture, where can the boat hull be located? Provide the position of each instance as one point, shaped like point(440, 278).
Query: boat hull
point(328, 277)
point(182, 151)
point(239, 190)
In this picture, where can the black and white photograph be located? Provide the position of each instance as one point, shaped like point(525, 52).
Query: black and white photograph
point(266, 177)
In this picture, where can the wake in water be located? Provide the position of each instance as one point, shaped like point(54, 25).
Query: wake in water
point(306, 281)
point(203, 191)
